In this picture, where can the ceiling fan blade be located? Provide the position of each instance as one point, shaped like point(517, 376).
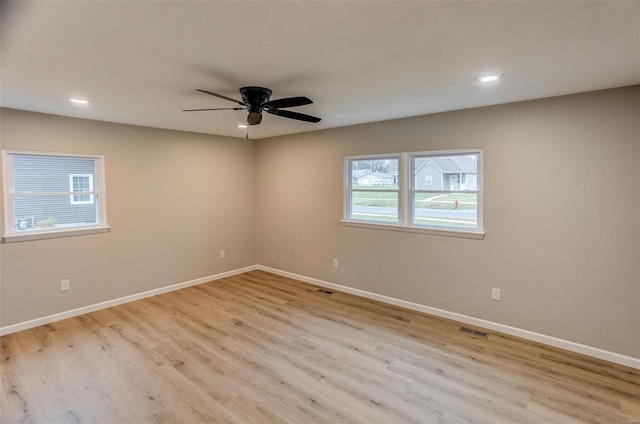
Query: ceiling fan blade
point(293, 115)
point(254, 118)
point(218, 108)
point(221, 96)
point(288, 102)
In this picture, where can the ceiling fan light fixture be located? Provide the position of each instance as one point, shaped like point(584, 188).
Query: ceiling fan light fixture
point(254, 118)
point(489, 77)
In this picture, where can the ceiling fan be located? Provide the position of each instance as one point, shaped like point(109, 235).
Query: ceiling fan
point(256, 100)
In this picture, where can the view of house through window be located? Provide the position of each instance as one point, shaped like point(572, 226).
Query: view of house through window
point(374, 189)
point(81, 183)
point(47, 192)
point(438, 190)
point(444, 190)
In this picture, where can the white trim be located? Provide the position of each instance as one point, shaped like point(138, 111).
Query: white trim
point(7, 177)
point(46, 153)
point(524, 334)
point(119, 301)
point(506, 329)
point(404, 185)
point(476, 235)
point(35, 235)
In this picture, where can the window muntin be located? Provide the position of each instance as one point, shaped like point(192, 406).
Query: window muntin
point(373, 189)
point(83, 185)
point(422, 200)
point(451, 200)
point(52, 192)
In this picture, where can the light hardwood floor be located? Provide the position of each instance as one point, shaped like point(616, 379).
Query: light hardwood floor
point(260, 348)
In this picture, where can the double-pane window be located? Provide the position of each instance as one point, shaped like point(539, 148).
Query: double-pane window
point(444, 190)
point(373, 189)
point(52, 192)
point(423, 190)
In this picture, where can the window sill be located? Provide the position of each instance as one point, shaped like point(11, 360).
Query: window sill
point(12, 238)
point(475, 235)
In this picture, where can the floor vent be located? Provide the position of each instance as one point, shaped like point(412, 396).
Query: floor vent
point(325, 291)
point(474, 332)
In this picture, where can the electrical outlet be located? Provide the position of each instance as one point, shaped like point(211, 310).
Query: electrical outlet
point(222, 253)
point(335, 263)
point(495, 294)
point(65, 285)
point(290, 254)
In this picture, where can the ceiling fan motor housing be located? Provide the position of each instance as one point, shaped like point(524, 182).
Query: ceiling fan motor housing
point(255, 97)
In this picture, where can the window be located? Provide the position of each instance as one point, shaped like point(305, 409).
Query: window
point(451, 200)
point(431, 192)
point(81, 183)
point(372, 192)
point(52, 194)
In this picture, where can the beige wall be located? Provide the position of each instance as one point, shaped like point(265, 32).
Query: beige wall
point(174, 200)
point(562, 203)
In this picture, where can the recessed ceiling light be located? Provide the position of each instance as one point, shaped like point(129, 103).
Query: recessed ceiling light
point(489, 77)
point(79, 101)
point(242, 126)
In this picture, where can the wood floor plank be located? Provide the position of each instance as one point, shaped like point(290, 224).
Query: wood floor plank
point(261, 348)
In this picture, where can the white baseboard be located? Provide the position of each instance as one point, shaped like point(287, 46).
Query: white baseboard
point(513, 331)
point(525, 334)
point(119, 301)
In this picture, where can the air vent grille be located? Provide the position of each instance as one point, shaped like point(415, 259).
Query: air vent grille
point(473, 332)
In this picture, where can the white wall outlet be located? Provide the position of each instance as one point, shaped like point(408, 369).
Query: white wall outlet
point(222, 253)
point(65, 285)
point(335, 263)
point(495, 294)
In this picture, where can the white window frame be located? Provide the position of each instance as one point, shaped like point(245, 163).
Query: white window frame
point(90, 192)
point(406, 185)
point(98, 194)
point(348, 188)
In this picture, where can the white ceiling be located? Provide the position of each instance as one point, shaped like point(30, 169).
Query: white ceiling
point(138, 62)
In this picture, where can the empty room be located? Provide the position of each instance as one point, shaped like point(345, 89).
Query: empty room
point(320, 212)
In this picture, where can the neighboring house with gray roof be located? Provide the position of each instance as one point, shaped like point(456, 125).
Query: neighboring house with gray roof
point(447, 173)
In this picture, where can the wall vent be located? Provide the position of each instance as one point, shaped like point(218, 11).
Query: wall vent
point(473, 332)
